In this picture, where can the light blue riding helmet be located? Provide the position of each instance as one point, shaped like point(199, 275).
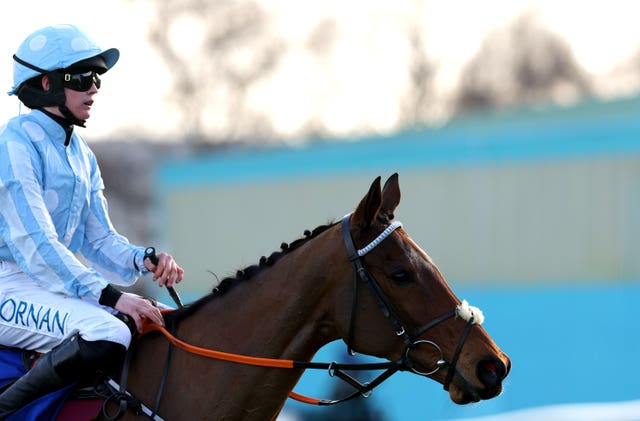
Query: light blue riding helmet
point(56, 47)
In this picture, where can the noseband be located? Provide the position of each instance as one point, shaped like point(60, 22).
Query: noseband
point(410, 337)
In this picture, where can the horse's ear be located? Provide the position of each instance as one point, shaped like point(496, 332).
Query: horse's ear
point(369, 206)
point(390, 197)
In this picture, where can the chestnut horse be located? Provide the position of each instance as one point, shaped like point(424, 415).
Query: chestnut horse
point(398, 308)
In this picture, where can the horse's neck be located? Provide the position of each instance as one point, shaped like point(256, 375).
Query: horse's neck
point(284, 312)
point(279, 314)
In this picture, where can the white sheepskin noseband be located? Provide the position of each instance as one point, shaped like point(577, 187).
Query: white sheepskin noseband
point(466, 312)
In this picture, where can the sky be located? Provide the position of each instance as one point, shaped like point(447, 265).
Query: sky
point(135, 97)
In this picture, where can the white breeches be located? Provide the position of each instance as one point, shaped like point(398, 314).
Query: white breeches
point(38, 320)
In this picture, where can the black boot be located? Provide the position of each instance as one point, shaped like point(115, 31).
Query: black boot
point(62, 366)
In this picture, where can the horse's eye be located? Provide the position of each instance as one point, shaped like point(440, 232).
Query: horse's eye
point(402, 277)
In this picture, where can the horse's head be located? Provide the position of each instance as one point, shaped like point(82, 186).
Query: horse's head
point(404, 310)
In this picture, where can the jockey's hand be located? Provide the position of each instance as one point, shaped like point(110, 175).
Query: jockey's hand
point(138, 309)
point(167, 272)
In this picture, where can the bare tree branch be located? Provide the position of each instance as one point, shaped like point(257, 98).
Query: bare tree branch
point(523, 63)
point(233, 51)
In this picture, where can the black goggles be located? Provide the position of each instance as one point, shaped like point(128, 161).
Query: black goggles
point(81, 81)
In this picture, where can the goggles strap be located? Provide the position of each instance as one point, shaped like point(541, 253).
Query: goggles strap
point(29, 65)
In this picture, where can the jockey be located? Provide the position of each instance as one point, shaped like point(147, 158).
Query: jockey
point(60, 256)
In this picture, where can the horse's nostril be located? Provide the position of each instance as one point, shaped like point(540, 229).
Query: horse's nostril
point(491, 372)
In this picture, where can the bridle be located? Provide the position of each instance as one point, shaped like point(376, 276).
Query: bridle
point(410, 338)
point(391, 312)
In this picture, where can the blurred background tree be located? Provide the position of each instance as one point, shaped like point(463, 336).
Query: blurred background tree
point(521, 64)
point(221, 55)
point(216, 52)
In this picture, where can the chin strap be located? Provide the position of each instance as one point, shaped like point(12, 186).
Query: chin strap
point(66, 112)
point(37, 98)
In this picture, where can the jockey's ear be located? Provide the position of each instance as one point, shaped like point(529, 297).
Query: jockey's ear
point(369, 206)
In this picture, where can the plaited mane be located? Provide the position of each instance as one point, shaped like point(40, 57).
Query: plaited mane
point(251, 271)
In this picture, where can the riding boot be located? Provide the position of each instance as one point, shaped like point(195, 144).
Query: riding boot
point(63, 365)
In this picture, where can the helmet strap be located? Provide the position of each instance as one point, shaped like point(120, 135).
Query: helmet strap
point(37, 98)
point(66, 112)
point(29, 65)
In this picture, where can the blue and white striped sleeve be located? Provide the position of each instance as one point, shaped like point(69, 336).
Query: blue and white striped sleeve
point(107, 251)
point(27, 230)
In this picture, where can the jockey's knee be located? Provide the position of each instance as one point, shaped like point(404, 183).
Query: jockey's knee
point(121, 332)
point(99, 351)
point(90, 356)
point(99, 344)
point(111, 329)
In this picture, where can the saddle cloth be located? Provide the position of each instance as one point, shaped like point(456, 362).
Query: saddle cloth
point(14, 363)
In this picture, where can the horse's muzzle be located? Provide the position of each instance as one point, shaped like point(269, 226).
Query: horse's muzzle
point(490, 372)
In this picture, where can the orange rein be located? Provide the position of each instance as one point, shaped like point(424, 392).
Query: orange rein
point(219, 355)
